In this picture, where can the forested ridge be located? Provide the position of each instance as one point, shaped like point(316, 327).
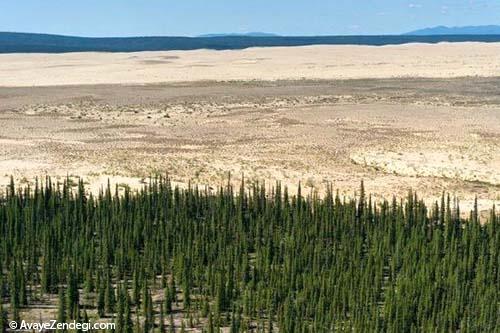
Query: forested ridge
point(247, 259)
point(16, 42)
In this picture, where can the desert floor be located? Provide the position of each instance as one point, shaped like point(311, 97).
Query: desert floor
point(320, 62)
point(396, 129)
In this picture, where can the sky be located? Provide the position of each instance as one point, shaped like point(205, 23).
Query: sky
point(98, 18)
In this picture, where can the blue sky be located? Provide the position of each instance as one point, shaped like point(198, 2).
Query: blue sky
point(286, 17)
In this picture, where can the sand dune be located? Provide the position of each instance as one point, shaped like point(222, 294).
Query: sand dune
point(420, 116)
point(442, 60)
point(431, 135)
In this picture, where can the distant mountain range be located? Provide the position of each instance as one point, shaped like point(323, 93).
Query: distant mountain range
point(13, 42)
point(247, 34)
point(467, 30)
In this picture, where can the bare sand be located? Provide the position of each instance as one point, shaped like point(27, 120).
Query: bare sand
point(430, 135)
point(443, 60)
point(425, 117)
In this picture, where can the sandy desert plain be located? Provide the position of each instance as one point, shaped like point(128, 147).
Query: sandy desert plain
point(425, 117)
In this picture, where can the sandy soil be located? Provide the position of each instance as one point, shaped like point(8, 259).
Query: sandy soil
point(442, 60)
point(431, 135)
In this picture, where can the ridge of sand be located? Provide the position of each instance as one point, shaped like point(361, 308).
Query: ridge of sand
point(443, 60)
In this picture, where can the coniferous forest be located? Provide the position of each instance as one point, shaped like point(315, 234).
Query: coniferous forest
point(247, 259)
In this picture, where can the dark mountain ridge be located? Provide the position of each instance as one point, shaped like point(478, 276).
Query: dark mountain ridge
point(236, 34)
point(467, 30)
point(13, 42)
